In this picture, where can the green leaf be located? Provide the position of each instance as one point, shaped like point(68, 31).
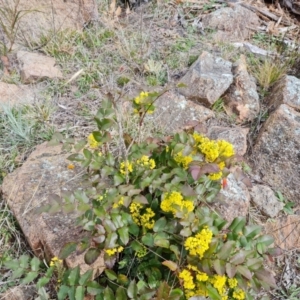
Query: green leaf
point(79, 293)
point(67, 249)
point(261, 248)
point(94, 288)
point(244, 271)
point(79, 146)
point(148, 239)
point(186, 232)
point(63, 292)
point(87, 154)
point(108, 294)
point(18, 273)
point(133, 192)
point(238, 258)
point(254, 263)
point(132, 290)
point(85, 277)
point(226, 250)
point(237, 225)
point(251, 231)
point(160, 225)
point(230, 270)
point(170, 264)
point(81, 247)
point(118, 179)
point(35, 264)
point(267, 240)
point(42, 282)
point(71, 293)
point(111, 240)
point(12, 264)
point(219, 266)
point(124, 235)
point(213, 293)
point(74, 275)
point(30, 277)
point(121, 293)
point(162, 243)
point(140, 199)
point(266, 277)
point(91, 255)
point(24, 261)
point(134, 229)
point(111, 274)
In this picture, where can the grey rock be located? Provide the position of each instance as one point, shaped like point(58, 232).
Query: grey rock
point(173, 112)
point(242, 98)
point(233, 24)
point(285, 91)
point(233, 200)
point(207, 79)
point(237, 136)
point(265, 199)
point(36, 67)
point(40, 180)
point(276, 154)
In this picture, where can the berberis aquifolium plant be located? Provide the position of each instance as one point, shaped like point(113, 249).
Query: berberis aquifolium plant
point(146, 210)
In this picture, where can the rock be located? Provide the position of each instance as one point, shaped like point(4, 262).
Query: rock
point(20, 293)
point(242, 98)
point(232, 24)
point(35, 67)
point(13, 94)
point(234, 135)
point(276, 154)
point(285, 91)
point(285, 231)
point(258, 51)
point(233, 200)
point(207, 79)
point(265, 199)
point(173, 111)
point(49, 16)
point(40, 179)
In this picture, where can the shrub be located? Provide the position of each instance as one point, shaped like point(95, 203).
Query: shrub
point(147, 212)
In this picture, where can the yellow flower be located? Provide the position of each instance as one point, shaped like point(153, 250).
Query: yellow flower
point(183, 160)
point(145, 220)
point(219, 282)
point(226, 149)
point(142, 252)
point(232, 282)
point(238, 294)
point(200, 243)
point(146, 162)
point(126, 167)
point(113, 251)
point(92, 141)
point(119, 203)
point(55, 260)
point(215, 176)
point(187, 278)
point(202, 276)
point(173, 202)
point(139, 99)
point(71, 167)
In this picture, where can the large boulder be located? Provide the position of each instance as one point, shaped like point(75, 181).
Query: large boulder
point(276, 154)
point(233, 24)
point(207, 79)
point(285, 91)
point(242, 98)
point(42, 178)
point(11, 94)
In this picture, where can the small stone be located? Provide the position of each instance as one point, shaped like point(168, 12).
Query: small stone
point(12, 94)
point(242, 98)
point(265, 199)
point(207, 79)
point(233, 24)
point(233, 200)
point(173, 112)
point(275, 156)
point(285, 231)
point(36, 67)
point(285, 91)
point(237, 136)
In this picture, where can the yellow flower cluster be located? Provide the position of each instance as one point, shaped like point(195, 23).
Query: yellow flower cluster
point(119, 203)
point(183, 160)
point(214, 152)
point(200, 243)
point(192, 280)
point(55, 260)
point(238, 294)
point(113, 251)
point(145, 220)
point(92, 142)
point(142, 252)
point(146, 162)
point(173, 202)
point(126, 167)
point(139, 99)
